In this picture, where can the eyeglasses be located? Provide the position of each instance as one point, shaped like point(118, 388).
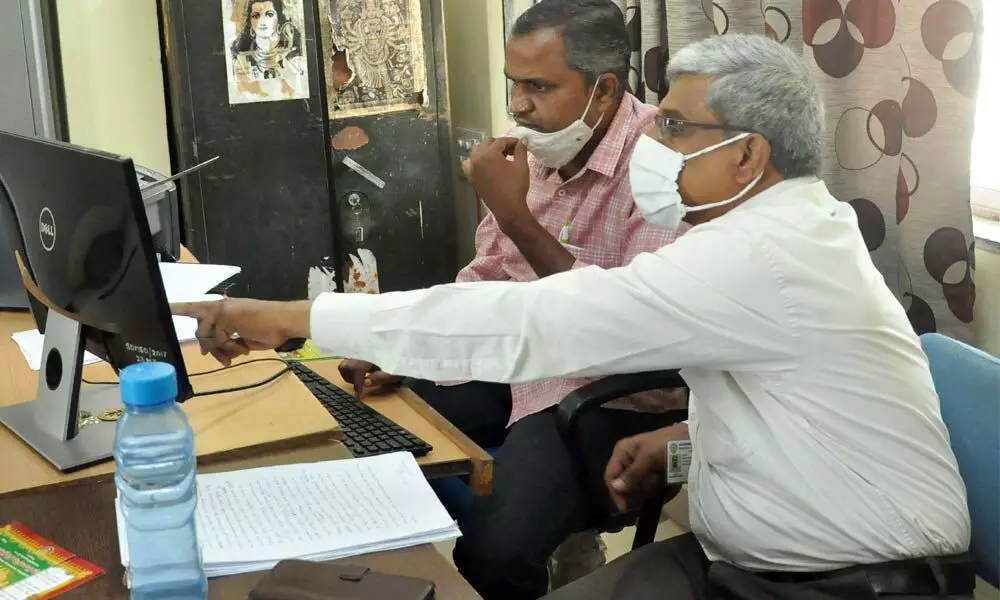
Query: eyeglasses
point(669, 127)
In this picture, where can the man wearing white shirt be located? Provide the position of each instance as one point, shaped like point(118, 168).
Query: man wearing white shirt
point(821, 467)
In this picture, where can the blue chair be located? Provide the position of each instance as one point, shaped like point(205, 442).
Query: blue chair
point(968, 383)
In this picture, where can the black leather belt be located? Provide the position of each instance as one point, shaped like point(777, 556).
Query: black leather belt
point(944, 576)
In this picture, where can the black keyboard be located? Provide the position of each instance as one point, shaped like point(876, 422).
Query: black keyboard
point(366, 431)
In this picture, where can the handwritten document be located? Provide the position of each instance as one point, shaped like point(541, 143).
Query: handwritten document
point(249, 520)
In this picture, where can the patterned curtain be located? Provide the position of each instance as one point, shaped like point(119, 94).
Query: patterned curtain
point(899, 78)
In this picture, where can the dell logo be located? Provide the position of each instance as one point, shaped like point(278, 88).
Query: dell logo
point(47, 229)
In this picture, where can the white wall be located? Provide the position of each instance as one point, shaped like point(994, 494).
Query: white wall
point(474, 34)
point(114, 80)
point(474, 39)
point(988, 300)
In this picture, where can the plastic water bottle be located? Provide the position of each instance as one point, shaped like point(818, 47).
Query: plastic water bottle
point(155, 475)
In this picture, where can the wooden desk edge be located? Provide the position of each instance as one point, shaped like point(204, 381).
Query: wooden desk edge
point(481, 480)
point(304, 442)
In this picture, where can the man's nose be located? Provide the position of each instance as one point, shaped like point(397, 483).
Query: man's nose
point(520, 106)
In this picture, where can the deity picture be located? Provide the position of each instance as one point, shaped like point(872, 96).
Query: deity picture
point(265, 50)
point(376, 54)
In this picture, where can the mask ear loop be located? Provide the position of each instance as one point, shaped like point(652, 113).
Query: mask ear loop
point(735, 198)
point(715, 147)
point(593, 94)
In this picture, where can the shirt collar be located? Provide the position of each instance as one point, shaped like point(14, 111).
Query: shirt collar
point(779, 189)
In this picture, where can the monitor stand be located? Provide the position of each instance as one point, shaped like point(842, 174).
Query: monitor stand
point(50, 423)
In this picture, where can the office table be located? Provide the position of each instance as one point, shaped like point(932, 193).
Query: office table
point(281, 423)
point(81, 518)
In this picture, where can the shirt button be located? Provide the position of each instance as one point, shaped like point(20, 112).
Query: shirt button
point(562, 193)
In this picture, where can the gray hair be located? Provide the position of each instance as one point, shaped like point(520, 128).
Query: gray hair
point(594, 36)
point(761, 85)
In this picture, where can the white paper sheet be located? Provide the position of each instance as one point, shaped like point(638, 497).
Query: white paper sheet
point(249, 520)
point(187, 282)
point(32, 342)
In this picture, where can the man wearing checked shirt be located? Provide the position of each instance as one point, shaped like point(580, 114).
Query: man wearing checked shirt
point(571, 208)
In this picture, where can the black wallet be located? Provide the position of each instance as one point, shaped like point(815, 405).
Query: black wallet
point(303, 580)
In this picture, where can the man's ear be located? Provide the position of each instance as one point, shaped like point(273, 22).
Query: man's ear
point(608, 87)
point(756, 155)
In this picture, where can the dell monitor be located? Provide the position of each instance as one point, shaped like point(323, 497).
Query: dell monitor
point(77, 230)
point(12, 294)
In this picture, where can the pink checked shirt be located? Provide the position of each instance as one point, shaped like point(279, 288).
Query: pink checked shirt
point(604, 228)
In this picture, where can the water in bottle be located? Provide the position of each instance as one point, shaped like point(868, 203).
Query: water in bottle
point(155, 475)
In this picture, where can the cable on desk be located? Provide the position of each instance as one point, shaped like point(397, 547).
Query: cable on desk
point(211, 372)
point(249, 386)
point(238, 388)
point(249, 362)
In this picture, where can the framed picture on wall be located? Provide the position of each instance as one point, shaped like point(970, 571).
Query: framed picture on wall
point(512, 9)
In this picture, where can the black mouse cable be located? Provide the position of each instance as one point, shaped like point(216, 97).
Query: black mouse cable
point(286, 369)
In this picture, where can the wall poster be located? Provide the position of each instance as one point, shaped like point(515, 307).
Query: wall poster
point(265, 50)
point(375, 54)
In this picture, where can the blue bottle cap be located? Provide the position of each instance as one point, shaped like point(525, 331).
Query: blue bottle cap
point(148, 384)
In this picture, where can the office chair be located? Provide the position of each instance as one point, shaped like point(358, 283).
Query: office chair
point(592, 397)
point(968, 384)
point(457, 497)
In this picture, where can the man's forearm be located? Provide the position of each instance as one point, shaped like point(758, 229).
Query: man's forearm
point(291, 318)
point(542, 251)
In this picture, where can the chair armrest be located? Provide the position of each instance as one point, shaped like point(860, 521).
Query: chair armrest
point(600, 392)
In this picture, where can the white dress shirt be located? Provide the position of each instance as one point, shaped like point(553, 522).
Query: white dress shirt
point(817, 434)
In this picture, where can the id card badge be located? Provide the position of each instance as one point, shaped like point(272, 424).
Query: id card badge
point(678, 461)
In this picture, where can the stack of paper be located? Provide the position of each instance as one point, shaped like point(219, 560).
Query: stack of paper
point(250, 520)
point(182, 282)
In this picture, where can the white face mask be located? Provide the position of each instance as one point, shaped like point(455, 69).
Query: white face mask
point(556, 149)
point(654, 171)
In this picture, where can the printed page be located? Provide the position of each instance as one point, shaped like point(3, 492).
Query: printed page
point(297, 510)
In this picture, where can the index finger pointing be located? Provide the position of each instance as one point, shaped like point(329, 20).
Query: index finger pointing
point(197, 309)
point(186, 309)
